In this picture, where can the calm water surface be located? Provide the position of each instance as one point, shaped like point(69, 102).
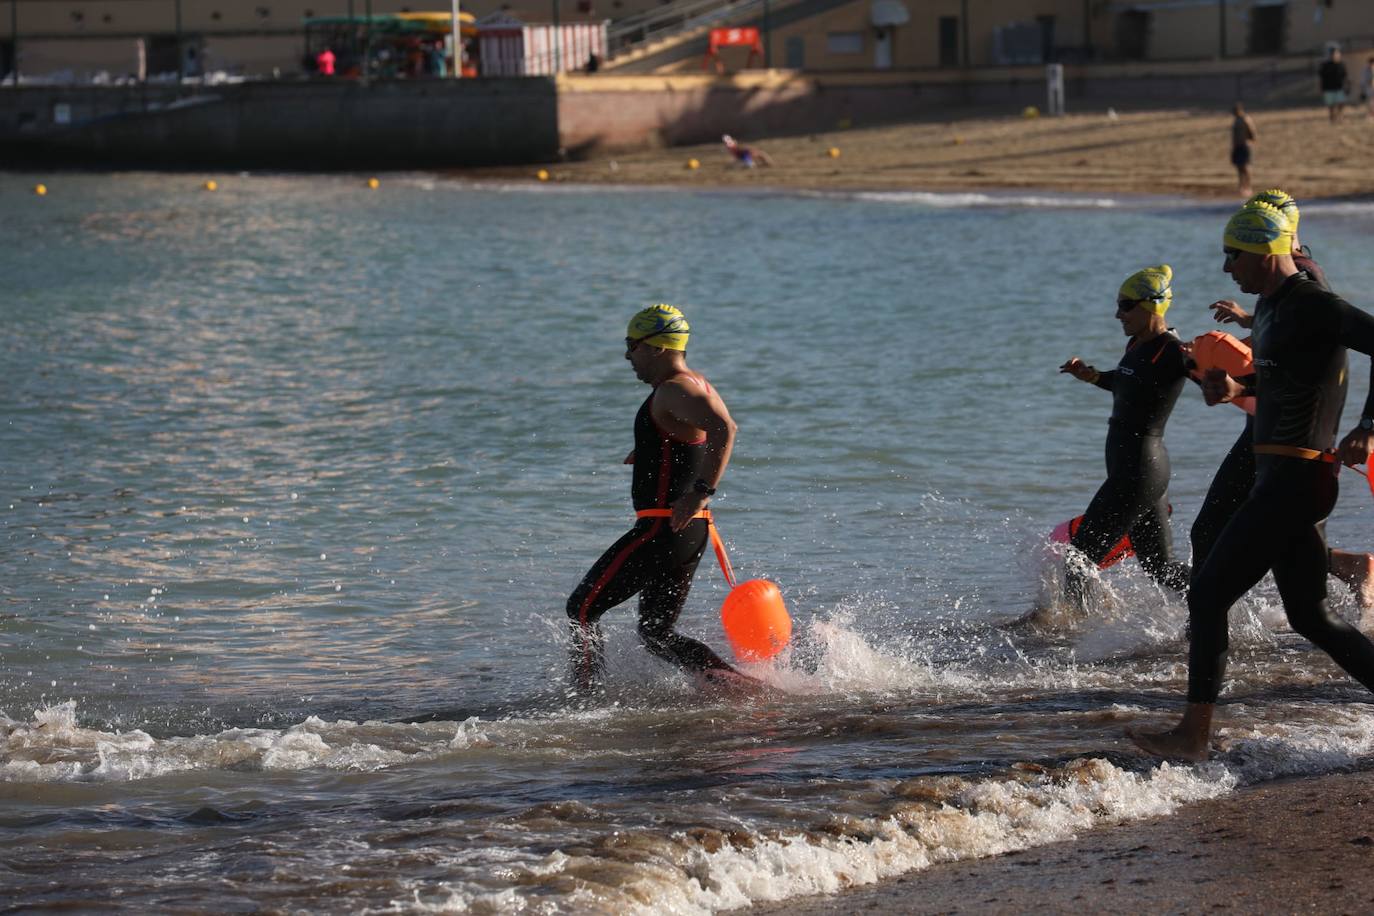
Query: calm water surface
point(287, 465)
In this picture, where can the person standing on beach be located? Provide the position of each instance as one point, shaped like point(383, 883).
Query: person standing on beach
point(1145, 385)
point(1367, 87)
point(1236, 476)
point(683, 438)
point(1335, 82)
point(1243, 137)
point(1300, 340)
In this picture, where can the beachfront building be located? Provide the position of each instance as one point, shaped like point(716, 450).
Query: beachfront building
point(114, 39)
point(907, 34)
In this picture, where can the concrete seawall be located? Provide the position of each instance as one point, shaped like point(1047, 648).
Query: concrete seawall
point(453, 124)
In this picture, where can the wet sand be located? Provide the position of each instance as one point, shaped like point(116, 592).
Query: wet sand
point(1145, 152)
point(1299, 845)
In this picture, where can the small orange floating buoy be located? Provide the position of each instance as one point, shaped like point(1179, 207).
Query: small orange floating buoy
point(756, 620)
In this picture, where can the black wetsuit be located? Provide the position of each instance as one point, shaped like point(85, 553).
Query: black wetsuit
point(1236, 477)
point(1300, 338)
point(1134, 498)
point(650, 560)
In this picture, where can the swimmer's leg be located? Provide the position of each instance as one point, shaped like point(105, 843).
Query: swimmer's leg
point(1153, 543)
point(662, 600)
point(1229, 489)
point(1109, 517)
point(1243, 553)
point(621, 572)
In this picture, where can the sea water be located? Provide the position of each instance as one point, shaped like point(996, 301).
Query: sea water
point(296, 477)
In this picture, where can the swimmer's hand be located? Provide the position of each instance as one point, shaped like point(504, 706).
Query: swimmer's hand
point(686, 506)
point(1081, 370)
point(1356, 447)
point(1227, 311)
point(630, 458)
point(1220, 388)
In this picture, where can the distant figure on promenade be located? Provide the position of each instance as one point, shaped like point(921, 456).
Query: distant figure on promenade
point(1367, 87)
point(1335, 82)
point(747, 156)
point(593, 63)
point(1243, 135)
point(324, 63)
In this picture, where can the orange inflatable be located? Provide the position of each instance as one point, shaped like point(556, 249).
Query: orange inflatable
point(1218, 350)
point(756, 620)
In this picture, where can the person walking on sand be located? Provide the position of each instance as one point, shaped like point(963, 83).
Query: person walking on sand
point(683, 437)
point(1335, 82)
point(1243, 137)
point(1300, 340)
point(1145, 385)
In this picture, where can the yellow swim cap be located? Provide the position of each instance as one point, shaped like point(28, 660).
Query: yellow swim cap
point(1152, 288)
point(1280, 200)
point(660, 326)
point(1259, 228)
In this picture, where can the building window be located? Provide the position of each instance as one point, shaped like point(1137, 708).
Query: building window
point(844, 43)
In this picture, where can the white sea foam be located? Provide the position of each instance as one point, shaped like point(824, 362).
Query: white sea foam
point(54, 748)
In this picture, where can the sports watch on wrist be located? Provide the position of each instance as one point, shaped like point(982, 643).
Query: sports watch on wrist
point(702, 487)
point(1366, 424)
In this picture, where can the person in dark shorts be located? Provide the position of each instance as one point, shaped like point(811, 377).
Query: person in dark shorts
point(1243, 137)
point(1335, 83)
point(1145, 385)
point(683, 438)
point(1301, 333)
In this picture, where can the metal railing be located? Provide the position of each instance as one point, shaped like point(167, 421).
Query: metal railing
point(625, 35)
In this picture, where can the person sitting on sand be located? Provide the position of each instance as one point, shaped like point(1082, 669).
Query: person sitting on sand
point(1301, 335)
point(1145, 385)
point(747, 156)
point(683, 438)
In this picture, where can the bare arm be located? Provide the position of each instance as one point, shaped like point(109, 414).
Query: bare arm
point(683, 406)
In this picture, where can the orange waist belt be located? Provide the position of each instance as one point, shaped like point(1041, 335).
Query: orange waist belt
point(1293, 451)
point(716, 543)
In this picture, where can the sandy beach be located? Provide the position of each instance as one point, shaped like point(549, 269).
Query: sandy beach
point(1180, 152)
point(1295, 846)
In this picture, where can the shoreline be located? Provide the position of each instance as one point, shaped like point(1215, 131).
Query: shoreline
point(1305, 843)
point(1167, 153)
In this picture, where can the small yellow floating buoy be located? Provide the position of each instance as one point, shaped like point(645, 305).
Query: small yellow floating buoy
point(833, 152)
point(693, 164)
point(212, 185)
point(1030, 111)
point(373, 183)
point(542, 174)
point(40, 189)
point(958, 141)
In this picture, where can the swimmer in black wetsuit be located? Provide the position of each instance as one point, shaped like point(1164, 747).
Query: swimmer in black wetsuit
point(1144, 387)
point(1236, 476)
point(1300, 340)
point(683, 439)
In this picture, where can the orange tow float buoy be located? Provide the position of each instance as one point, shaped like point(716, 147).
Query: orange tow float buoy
point(756, 620)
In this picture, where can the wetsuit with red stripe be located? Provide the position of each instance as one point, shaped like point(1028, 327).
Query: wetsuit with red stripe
point(650, 560)
point(1134, 498)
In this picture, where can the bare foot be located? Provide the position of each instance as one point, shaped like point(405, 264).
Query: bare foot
point(1170, 745)
point(728, 682)
point(1357, 571)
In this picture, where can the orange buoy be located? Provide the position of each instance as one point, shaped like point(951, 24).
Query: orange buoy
point(756, 620)
point(1216, 350)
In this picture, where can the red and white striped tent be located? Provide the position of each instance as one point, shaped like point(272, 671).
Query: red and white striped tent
point(509, 47)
